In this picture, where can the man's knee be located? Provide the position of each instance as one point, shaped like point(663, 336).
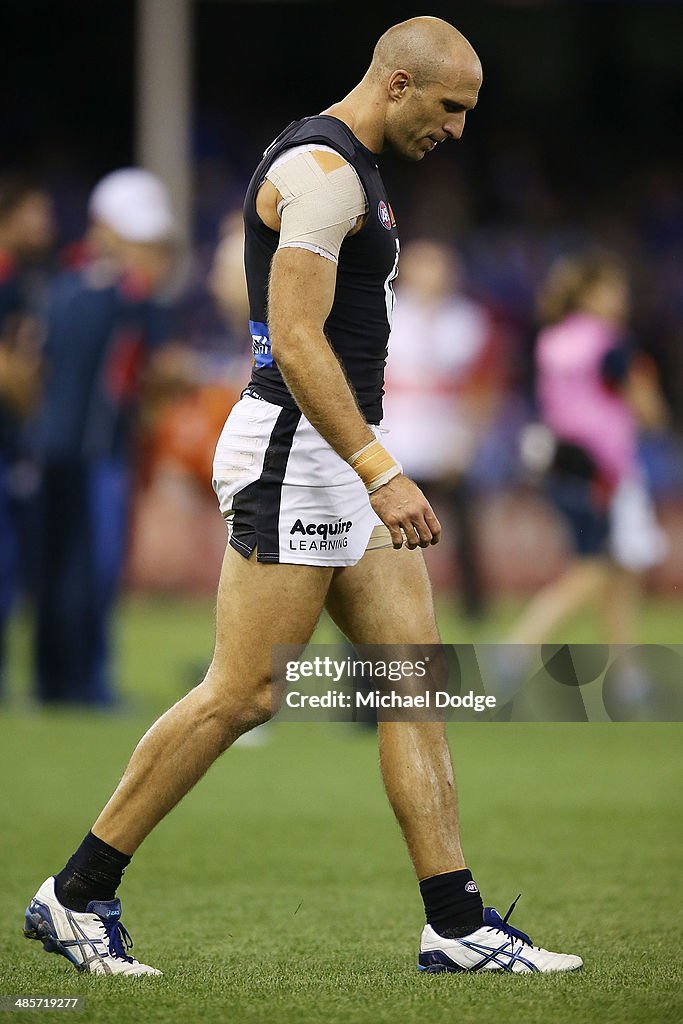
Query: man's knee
point(237, 709)
point(258, 708)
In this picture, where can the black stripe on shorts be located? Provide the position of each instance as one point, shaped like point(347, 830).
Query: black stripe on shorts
point(256, 518)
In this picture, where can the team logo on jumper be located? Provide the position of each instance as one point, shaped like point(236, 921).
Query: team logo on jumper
point(471, 887)
point(384, 214)
point(260, 344)
point(319, 536)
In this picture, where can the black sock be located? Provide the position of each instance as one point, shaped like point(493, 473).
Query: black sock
point(93, 873)
point(453, 905)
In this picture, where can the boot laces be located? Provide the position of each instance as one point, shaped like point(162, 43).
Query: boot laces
point(513, 933)
point(119, 939)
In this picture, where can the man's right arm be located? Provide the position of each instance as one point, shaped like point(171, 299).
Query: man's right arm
point(301, 293)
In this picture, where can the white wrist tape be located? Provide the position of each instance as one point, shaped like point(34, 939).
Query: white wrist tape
point(320, 204)
point(384, 478)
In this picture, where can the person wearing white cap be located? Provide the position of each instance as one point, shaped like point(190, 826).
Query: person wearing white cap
point(104, 318)
point(135, 205)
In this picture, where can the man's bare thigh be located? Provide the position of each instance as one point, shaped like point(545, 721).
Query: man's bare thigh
point(384, 598)
point(260, 605)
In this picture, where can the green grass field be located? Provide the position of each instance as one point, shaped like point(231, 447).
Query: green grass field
point(279, 891)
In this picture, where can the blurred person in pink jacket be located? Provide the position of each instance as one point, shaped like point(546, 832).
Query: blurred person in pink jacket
point(589, 394)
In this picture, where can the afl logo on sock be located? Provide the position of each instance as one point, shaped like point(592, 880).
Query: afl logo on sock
point(384, 215)
point(471, 887)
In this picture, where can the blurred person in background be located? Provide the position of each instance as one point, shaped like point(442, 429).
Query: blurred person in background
point(103, 318)
point(26, 237)
point(438, 399)
point(183, 424)
point(188, 426)
point(227, 282)
point(591, 393)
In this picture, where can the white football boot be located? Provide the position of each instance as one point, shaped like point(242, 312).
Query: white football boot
point(95, 942)
point(496, 946)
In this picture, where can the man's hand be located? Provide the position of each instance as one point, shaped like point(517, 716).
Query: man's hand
point(402, 506)
point(20, 365)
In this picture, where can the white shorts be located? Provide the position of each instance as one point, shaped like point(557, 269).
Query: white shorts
point(284, 491)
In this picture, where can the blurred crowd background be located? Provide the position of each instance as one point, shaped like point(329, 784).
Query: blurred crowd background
point(124, 328)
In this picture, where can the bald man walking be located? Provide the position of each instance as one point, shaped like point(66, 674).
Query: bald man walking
point(299, 460)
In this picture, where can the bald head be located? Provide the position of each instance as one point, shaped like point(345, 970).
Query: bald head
point(428, 48)
point(423, 81)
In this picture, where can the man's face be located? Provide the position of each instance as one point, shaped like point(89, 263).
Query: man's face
point(418, 119)
point(31, 225)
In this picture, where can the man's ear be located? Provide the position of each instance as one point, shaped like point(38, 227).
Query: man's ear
point(399, 83)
